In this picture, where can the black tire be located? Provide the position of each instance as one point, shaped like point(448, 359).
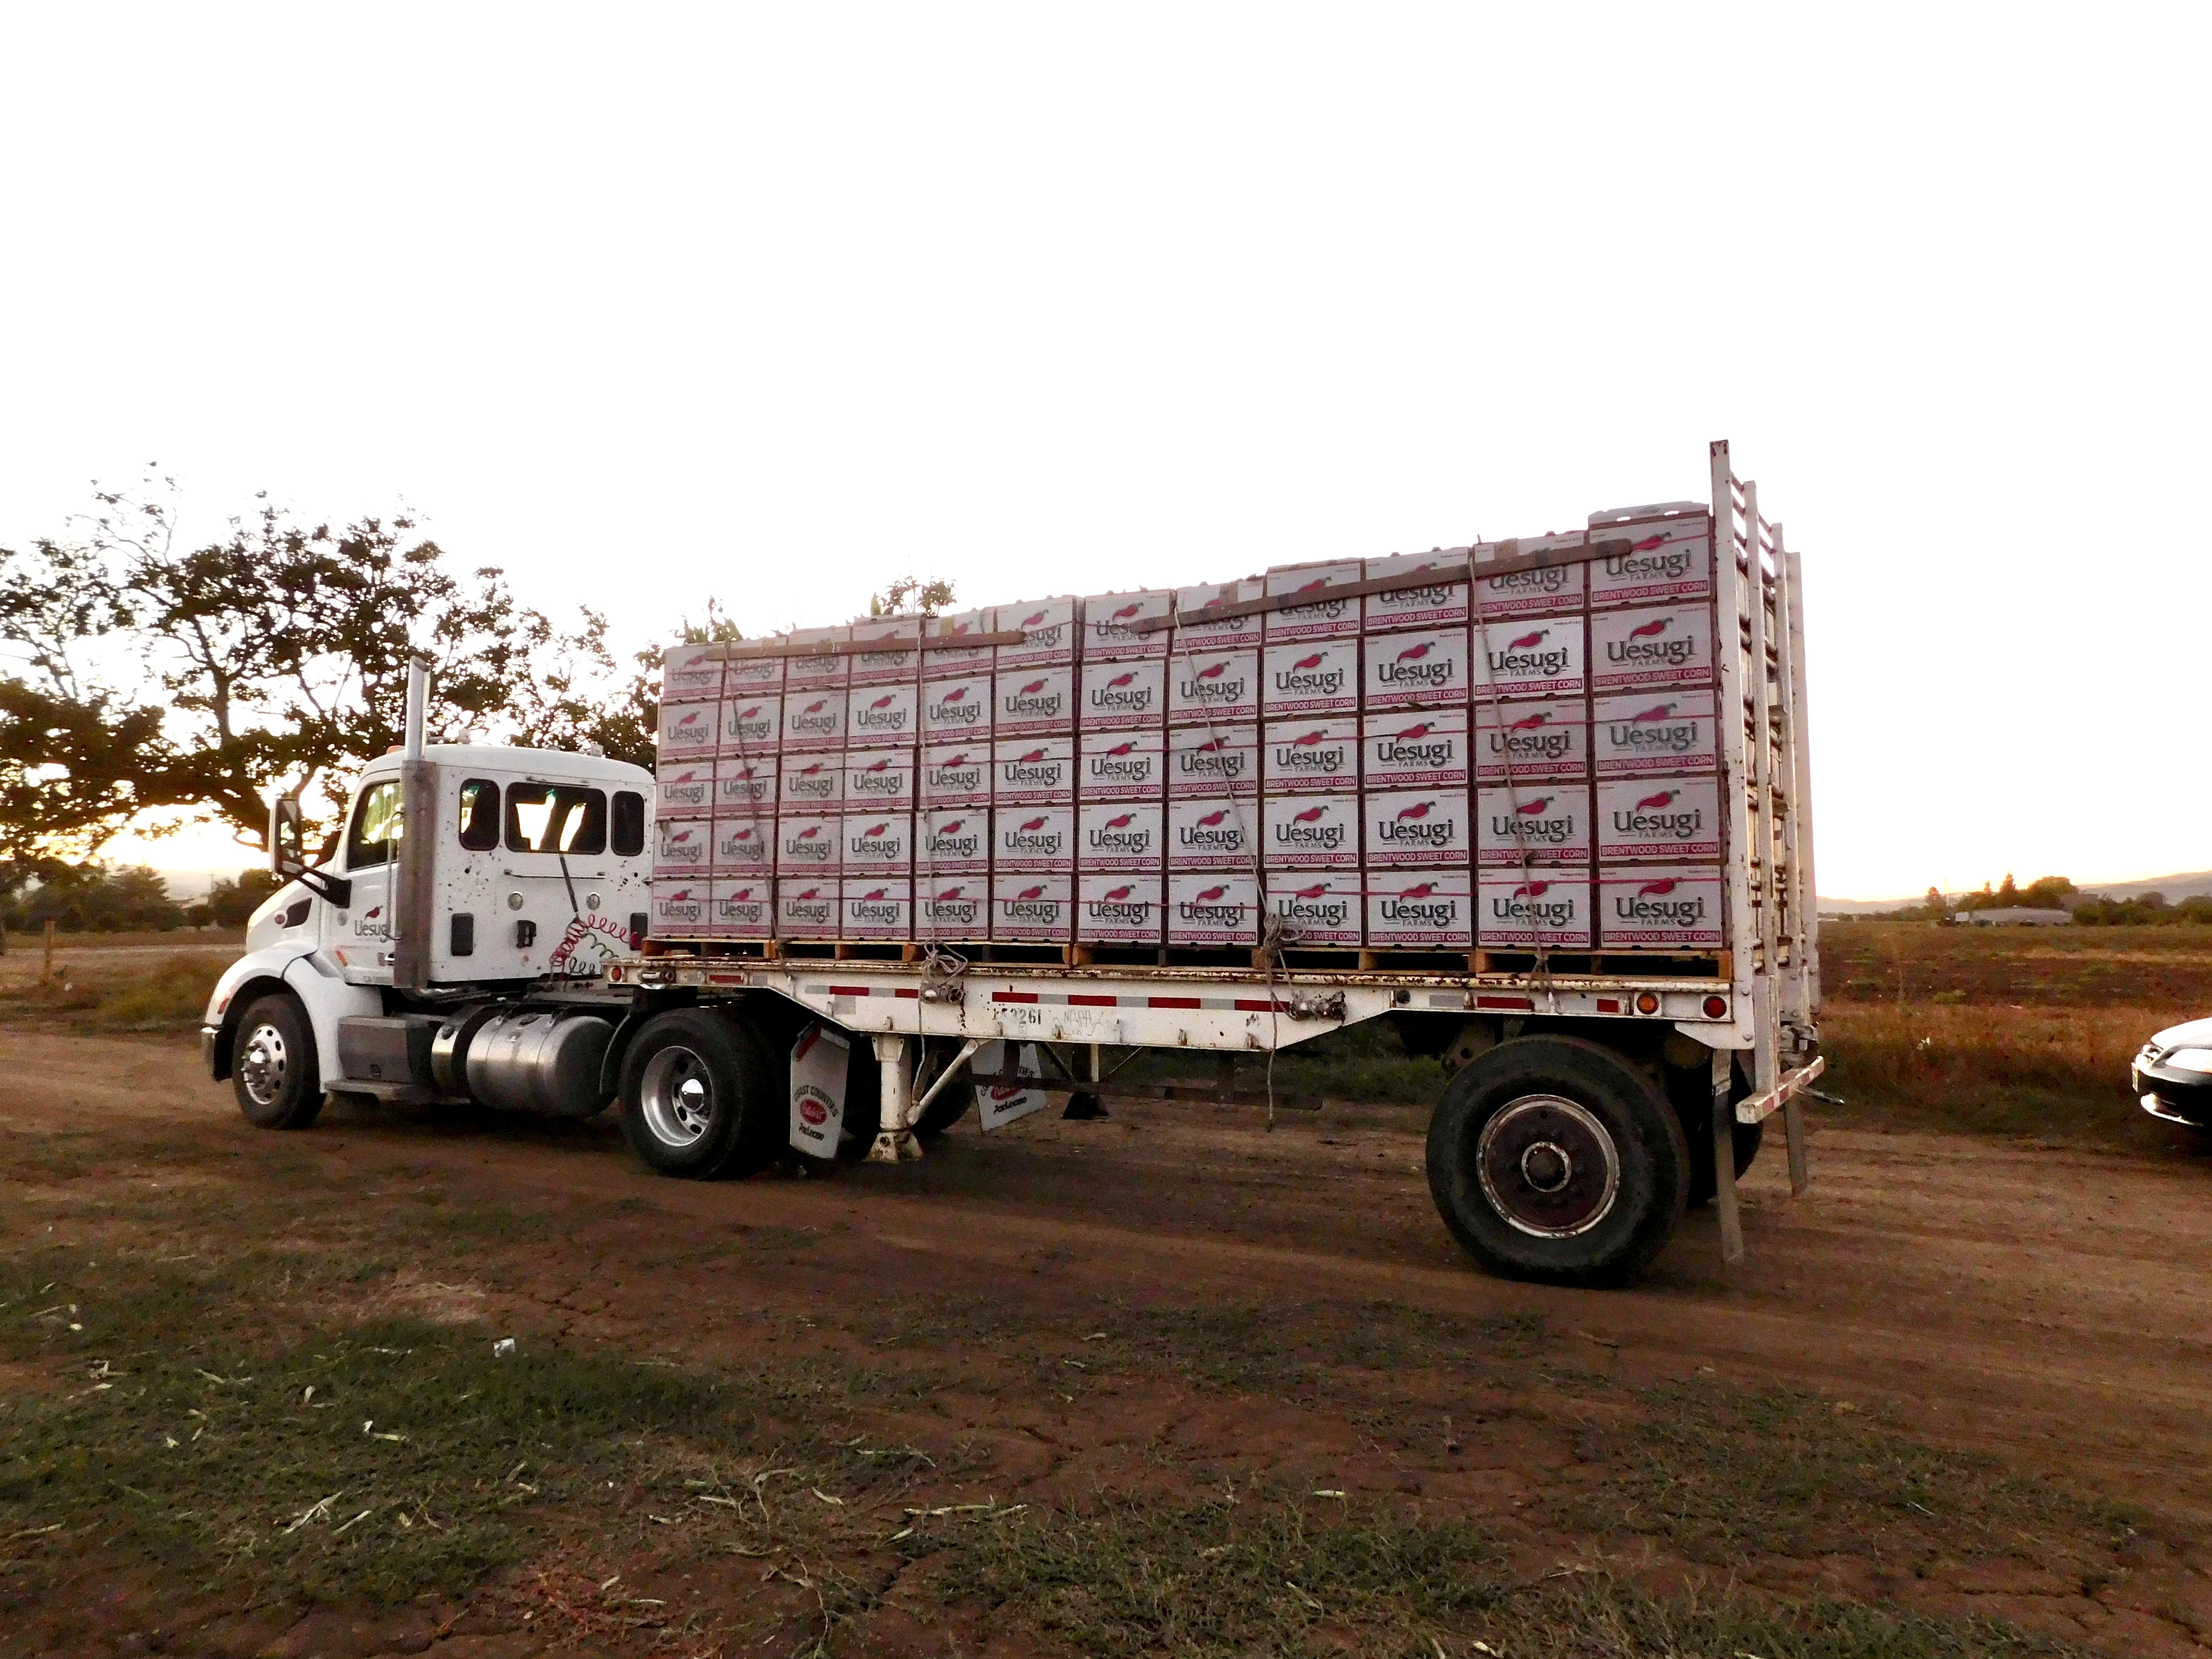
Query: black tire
point(274, 1073)
point(1690, 1090)
point(700, 1096)
point(1589, 1172)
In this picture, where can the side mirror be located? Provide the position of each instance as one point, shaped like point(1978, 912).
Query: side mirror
point(287, 837)
point(288, 853)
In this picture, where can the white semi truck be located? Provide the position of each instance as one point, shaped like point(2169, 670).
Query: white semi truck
point(481, 934)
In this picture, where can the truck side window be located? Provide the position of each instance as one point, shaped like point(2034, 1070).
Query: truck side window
point(630, 824)
point(555, 817)
point(479, 815)
point(376, 825)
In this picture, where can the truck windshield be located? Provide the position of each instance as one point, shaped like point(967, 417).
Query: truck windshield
point(555, 817)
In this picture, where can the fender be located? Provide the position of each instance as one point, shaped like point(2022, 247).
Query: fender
point(300, 967)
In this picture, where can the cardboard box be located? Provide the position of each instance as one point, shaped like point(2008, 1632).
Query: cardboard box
point(1121, 765)
point(1033, 840)
point(895, 655)
point(1652, 907)
point(1551, 590)
point(742, 782)
point(1440, 601)
point(1213, 760)
point(744, 846)
point(1529, 658)
point(811, 784)
point(752, 676)
point(1122, 693)
point(877, 906)
point(1547, 822)
point(752, 725)
point(688, 731)
point(1669, 646)
point(1638, 733)
point(1214, 688)
point(1417, 827)
point(1552, 907)
point(1215, 833)
point(813, 721)
point(1321, 614)
point(953, 911)
point(1306, 755)
point(685, 789)
point(958, 710)
point(1123, 908)
point(1215, 909)
point(808, 909)
point(1413, 749)
point(1309, 831)
point(1047, 628)
point(1670, 560)
point(690, 674)
point(1427, 668)
point(956, 774)
point(1121, 834)
point(745, 907)
point(810, 846)
point(825, 671)
point(1310, 677)
point(682, 907)
point(1033, 700)
point(1320, 908)
point(941, 657)
point(682, 848)
point(1193, 632)
point(1676, 818)
point(878, 714)
point(1421, 909)
point(879, 777)
point(1033, 771)
point(1106, 624)
point(955, 841)
point(1035, 909)
point(877, 840)
point(1531, 742)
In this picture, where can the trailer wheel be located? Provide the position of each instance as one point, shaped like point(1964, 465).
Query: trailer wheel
point(273, 1070)
point(698, 1098)
point(1552, 1159)
point(1691, 1089)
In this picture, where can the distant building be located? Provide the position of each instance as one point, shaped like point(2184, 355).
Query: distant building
point(2018, 916)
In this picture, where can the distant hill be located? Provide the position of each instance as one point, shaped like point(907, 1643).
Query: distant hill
point(2188, 885)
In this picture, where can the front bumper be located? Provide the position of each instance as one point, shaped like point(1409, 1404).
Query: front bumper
point(2173, 1095)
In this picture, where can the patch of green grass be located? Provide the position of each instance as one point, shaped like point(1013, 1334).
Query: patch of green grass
point(165, 994)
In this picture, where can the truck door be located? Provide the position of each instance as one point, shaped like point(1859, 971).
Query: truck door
point(362, 938)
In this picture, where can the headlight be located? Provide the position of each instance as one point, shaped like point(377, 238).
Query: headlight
point(2189, 1060)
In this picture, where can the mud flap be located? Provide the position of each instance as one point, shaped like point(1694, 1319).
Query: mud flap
point(818, 1062)
point(999, 1104)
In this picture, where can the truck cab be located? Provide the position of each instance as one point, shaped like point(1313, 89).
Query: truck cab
point(466, 881)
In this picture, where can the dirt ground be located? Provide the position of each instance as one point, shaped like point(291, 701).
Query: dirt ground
point(2045, 1307)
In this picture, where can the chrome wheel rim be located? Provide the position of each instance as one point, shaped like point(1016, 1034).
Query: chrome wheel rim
point(677, 1096)
point(263, 1063)
point(1548, 1166)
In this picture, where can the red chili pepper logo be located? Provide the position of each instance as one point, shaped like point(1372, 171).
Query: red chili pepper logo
point(1309, 815)
point(808, 833)
point(1126, 818)
point(1120, 679)
point(812, 892)
point(1034, 755)
point(1033, 823)
point(1208, 895)
point(1664, 798)
point(950, 893)
point(1534, 807)
point(1527, 641)
point(952, 829)
point(1656, 712)
point(1121, 749)
point(1420, 731)
point(957, 694)
point(689, 718)
point(1032, 622)
point(882, 765)
point(1213, 671)
point(1212, 818)
point(1529, 722)
point(1419, 812)
point(1314, 661)
point(875, 830)
point(1421, 891)
point(1657, 625)
point(1125, 611)
point(1533, 889)
point(877, 894)
point(1030, 893)
point(1319, 890)
point(1309, 737)
point(1318, 582)
point(883, 702)
point(809, 771)
point(1654, 888)
point(1211, 744)
point(1414, 653)
point(1650, 542)
point(1120, 892)
point(813, 707)
point(683, 897)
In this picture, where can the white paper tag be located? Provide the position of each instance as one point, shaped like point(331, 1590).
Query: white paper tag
point(818, 1062)
point(1001, 1103)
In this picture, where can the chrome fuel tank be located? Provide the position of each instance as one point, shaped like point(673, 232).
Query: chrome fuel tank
point(536, 1060)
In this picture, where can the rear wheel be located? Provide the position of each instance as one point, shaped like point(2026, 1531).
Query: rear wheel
point(699, 1096)
point(1691, 1089)
point(274, 1073)
point(1552, 1159)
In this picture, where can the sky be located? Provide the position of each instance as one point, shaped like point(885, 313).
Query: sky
point(776, 304)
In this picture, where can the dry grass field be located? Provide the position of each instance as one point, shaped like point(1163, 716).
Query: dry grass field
point(1164, 1383)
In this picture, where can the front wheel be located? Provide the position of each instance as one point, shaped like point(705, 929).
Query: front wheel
point(698, 1096)
point(1552, 1159)
point(273, 1069)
